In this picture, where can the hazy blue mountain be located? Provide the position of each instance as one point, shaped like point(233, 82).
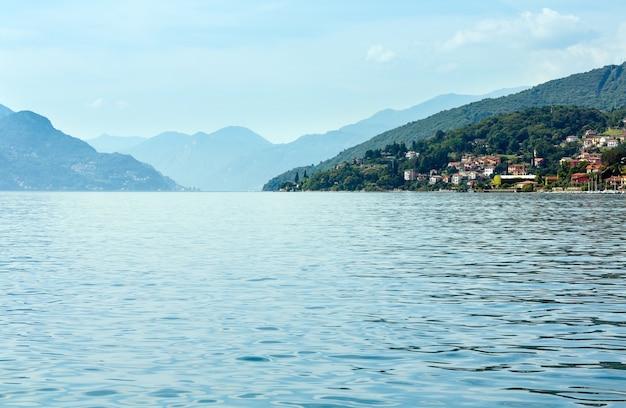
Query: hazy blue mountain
point(237, 159)
point(4, 111)
point(111, 144)
point(36, 156)
point(602, 88)
point(210, 162)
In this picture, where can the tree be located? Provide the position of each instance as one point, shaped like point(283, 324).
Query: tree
point(296, 179)
point(564, 172)
point(613, 160)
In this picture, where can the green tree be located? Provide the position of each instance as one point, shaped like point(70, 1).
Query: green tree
point(613, 160)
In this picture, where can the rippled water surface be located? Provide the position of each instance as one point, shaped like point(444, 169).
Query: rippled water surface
point(312, 300)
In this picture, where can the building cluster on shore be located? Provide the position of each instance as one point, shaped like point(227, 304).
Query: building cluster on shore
point(472, 170)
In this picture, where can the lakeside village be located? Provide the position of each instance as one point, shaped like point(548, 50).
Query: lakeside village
point(583, 172)
point(471, 170)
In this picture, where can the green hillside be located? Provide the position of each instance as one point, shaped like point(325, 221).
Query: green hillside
point(603, 89)
point(534, 138)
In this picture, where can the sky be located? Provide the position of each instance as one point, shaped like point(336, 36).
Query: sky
point(283, 68)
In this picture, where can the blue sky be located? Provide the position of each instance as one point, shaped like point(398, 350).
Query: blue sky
point(283, 68)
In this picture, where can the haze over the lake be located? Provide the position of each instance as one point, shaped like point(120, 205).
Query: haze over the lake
point(283, 68)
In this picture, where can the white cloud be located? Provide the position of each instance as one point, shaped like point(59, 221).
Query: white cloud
point(378, 53)
point(547, 29)
point(122, 105)
point(97, 103)
point(549, 23)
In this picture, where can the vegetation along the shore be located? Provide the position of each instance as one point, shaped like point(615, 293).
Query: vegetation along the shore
point(550, 147)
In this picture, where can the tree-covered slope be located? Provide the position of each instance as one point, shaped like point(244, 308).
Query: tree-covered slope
point(514, 138)
point(603, 88)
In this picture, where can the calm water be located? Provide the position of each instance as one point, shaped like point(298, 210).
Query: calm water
point(312, 300)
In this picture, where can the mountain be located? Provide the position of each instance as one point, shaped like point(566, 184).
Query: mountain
point(237, 159)
point(316, 147)
point(4, 111)
point(112, 144)
point(36, 156)
point(602, 88)
point(210, 162)
point(437, 104)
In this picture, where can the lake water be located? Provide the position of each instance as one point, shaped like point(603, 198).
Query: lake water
point(312, 300)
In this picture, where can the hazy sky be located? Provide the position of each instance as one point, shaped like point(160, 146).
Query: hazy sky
point(283, 68)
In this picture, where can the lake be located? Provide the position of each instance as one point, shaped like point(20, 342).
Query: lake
point(312, 300)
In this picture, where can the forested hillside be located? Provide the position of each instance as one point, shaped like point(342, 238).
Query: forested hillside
point(535, 138)
point(603, 89)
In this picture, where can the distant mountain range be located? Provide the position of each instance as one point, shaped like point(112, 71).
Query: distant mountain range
point(602, 88)
point(237, 159)
point(209, 162)
point(36, 156)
